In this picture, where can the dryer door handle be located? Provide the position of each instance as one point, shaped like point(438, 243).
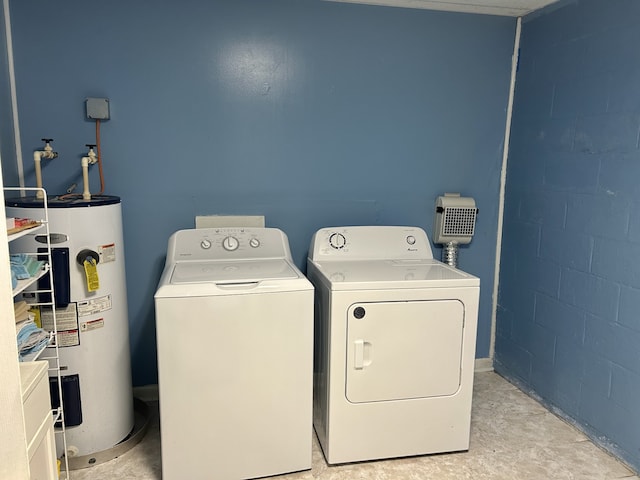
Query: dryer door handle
point(362, 354)
point(358, 362)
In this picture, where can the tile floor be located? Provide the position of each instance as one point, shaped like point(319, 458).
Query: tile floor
point(513, 437)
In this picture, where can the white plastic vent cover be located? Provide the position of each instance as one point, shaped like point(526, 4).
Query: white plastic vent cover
point(455, 219)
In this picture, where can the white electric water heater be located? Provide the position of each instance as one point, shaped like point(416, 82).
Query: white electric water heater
point(91, 314)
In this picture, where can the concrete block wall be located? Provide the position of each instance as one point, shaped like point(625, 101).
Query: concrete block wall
point(568, 324)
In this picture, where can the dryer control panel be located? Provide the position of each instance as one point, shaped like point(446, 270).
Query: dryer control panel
point(237, 243)
point(370, 243)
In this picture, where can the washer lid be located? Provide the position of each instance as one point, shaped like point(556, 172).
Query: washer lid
point(370, 274)
point(232, 271)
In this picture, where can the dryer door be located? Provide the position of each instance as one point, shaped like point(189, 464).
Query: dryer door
point(403, 350)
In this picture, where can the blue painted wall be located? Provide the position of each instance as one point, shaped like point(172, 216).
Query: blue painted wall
point(311, 113)
point(569, 317)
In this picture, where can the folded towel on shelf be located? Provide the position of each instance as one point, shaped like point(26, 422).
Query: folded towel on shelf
point(24, 323)
point(24, 266)
point(30, 338)
point(21, 310)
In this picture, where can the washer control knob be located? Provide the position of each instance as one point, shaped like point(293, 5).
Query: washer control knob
point(359, 312)
point(205, 244)
point(337, 241)
point(411, 240)
point(230, 244)
point(254, 242)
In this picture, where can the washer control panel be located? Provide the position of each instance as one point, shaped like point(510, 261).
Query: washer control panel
point(228, 243)
point(370, 243)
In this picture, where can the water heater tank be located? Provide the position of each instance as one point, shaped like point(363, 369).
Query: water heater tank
point(93, 326)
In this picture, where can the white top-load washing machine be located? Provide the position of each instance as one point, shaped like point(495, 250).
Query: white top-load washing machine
point(234, 323)
point(395, 345)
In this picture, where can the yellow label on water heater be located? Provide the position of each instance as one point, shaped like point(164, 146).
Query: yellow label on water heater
point(91, 274)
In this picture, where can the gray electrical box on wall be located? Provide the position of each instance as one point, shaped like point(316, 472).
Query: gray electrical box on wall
point(98, 108)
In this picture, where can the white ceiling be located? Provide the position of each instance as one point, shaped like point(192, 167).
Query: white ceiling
point(510, 8)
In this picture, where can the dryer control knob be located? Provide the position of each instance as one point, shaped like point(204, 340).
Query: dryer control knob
point(254, 242)
point(230, 244)
point(337, 241)
point(411, 240)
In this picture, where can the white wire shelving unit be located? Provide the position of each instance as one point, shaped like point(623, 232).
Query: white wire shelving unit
point(43, 299)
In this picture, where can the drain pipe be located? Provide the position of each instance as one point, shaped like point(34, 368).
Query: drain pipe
point(503, 181)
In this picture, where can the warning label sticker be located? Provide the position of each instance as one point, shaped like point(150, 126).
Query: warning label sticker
point(66, 321)
point(94, 305)
point(92, 325)
point(107, 253)
point(66, 318)
point(69, 338)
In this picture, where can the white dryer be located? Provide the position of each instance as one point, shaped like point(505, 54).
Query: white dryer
point(395, 345)
point(234, 323)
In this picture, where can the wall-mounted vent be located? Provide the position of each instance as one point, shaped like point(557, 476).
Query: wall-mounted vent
point(458, 221)
point(454, 224)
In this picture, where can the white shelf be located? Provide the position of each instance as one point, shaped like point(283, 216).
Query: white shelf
point(27, 231)
point(27, 282)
